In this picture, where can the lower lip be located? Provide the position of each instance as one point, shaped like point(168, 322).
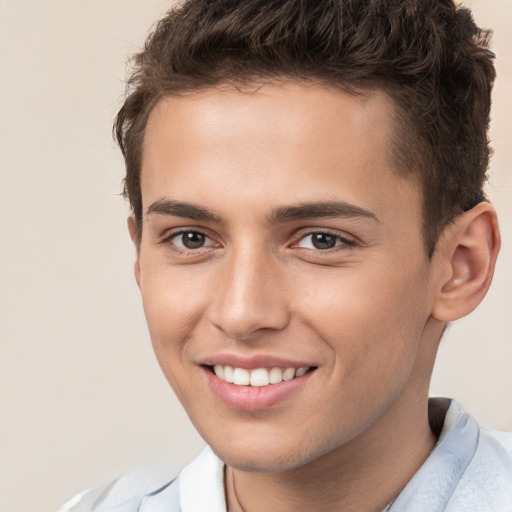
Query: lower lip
point(254, 398)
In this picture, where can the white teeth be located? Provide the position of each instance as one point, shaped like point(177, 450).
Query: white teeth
point(228, 374)
point(259, 377)
point(289, 373)
point(275, 376)
point(301, 371)
point(219, 371)
point(241, 377)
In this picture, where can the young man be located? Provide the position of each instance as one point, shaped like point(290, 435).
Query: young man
point(306, 185)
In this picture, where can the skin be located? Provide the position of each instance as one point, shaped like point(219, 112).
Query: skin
point(367, 313)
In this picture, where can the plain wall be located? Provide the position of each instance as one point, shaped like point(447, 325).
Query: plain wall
point(81, 395)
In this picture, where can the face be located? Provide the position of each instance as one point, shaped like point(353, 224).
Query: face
point(280, 250)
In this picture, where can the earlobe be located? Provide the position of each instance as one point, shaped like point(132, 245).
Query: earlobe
point(134, 230)
point(467, 254)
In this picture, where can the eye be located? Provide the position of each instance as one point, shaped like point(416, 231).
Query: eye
point(189, 240)
point(322, 241)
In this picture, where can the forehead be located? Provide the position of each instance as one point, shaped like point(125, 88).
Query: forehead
point(280, 143)
point(282, 116)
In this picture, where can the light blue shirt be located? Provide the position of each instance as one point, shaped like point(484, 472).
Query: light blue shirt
point(469, 470)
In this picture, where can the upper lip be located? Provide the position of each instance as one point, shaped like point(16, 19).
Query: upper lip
point(253, 362)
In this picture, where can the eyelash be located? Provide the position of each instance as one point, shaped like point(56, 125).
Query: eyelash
point(346, 243)
point(175, 234)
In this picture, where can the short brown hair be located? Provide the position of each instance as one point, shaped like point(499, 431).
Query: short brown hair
point(427, 55)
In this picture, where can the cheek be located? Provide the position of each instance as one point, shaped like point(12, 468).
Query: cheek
point(370, 318)
point(174, 303)
point(171, 295)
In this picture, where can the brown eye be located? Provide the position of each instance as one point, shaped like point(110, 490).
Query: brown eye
point(190, 240)
point(323, 241)
point(320, 241)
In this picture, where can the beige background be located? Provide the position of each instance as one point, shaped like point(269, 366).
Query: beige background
point(81, 397)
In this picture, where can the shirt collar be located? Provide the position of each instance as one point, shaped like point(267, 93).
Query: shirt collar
point(208, 469)
point(431, 487)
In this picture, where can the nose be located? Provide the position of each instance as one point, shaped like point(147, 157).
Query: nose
point(250, 297)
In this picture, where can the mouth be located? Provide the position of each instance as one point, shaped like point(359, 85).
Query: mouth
point(257, 383)
point(258, 377)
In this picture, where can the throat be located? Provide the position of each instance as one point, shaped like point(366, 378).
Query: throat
point(232, 500)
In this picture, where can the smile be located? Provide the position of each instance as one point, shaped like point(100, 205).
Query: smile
point(259, 387)
point(257, 377)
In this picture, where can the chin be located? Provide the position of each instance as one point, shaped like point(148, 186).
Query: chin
point(269, 457)
point(263, 462)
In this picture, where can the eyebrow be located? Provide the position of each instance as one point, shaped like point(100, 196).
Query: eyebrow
point(181, 209)
point(313, 210)
point(326, 209)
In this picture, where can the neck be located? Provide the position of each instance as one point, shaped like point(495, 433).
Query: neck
point(363, 475)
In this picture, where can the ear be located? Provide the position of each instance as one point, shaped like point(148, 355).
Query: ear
point(134, 230)
point(466, 256)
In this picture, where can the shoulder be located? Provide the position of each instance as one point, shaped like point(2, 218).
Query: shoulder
point(503, 438)
point(126, 493)
point(199, 486)
point(470, 468)
point(487, 480)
